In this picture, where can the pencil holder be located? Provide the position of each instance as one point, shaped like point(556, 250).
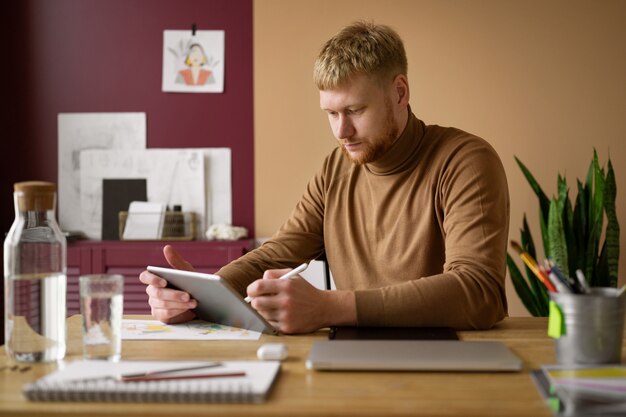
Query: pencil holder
point(588, 328)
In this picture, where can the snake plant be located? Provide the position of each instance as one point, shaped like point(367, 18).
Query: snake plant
point(585, 236)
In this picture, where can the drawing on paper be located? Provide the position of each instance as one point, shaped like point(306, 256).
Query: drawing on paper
point(199, 69)
point(193, 63)
point(206, 328)
point(146, 328)
point(192, 330)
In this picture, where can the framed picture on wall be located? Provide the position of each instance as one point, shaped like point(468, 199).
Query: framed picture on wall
point(193, 62)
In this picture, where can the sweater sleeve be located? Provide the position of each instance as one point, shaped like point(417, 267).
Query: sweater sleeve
point(300, 239)
point(473, 210)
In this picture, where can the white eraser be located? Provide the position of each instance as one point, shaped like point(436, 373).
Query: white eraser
point(272, 352)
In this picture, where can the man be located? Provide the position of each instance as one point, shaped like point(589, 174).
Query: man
point(413, 218)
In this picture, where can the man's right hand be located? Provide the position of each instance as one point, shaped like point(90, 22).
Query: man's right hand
point(168, 305)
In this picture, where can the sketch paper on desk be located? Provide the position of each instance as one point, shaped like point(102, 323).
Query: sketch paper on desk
point(82, 131)
point(192, 330)
point(174, 176)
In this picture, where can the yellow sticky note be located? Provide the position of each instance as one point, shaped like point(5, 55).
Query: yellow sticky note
point(600, 372)
point(556, 323)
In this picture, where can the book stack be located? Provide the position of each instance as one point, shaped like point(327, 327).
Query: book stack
point(578, 391)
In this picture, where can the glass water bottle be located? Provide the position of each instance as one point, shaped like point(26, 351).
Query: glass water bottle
point(35, 279)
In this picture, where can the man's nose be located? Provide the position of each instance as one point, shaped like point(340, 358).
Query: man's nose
point(344, 128)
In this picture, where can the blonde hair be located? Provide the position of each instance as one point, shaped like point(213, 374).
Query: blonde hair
point(361, 48)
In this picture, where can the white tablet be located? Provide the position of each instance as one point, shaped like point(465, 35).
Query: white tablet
point(218, 302)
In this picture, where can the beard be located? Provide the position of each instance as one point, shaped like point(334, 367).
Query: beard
point(376, 147)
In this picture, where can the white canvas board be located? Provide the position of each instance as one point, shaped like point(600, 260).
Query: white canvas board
point(219, 195)
point(193, 63)
point(219, 184)
point(82, 131)
point(174, 176)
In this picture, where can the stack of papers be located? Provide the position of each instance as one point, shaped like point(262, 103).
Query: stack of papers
point(583, 390)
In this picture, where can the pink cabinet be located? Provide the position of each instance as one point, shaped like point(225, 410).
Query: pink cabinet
point(131, 258)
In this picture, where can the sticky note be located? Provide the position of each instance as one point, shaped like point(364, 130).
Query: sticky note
point(554, 404)
point(556, 323)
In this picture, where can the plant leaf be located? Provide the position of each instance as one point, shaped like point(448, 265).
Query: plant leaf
point(561, 184)
point(543, 225)
point(611, 239)
point(570, 238)
point(567, 218)
point(556, 237)
point(580, 228)
point(602, 268)
point(589, 196)
point(527, 238)
point(544, 201)
point(521, 288)
point(598, 192)
point(538, 289)
point(596, 218)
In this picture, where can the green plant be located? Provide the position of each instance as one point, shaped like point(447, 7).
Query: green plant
point(572, 237)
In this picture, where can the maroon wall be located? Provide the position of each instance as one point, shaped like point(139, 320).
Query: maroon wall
point(106, 56)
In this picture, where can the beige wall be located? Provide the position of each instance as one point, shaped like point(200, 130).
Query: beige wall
point(545, 81)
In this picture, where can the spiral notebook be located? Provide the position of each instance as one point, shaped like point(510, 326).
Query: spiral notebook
point(101, 381)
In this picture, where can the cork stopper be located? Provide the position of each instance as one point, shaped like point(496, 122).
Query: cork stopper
point(35, 195)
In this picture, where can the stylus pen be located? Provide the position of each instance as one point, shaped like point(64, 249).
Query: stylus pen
point(288, 275)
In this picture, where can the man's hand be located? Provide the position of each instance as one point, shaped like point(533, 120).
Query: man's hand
point(168, 305)
point(295, 306)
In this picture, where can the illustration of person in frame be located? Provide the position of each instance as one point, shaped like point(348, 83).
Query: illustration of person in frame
point(195, 74)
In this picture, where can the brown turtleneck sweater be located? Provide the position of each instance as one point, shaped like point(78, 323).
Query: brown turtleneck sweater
point(419, 235)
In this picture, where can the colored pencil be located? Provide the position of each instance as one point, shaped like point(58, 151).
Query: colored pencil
point(533, 266)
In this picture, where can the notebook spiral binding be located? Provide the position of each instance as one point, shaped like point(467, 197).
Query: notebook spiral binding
point(108, 390)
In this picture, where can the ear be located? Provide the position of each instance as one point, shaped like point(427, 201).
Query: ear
point(401, 90)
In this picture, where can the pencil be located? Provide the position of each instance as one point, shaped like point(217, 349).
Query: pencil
point(566, 283)
point(174, 377)
point(582, 282)
point(169, 371)
point(532, 265)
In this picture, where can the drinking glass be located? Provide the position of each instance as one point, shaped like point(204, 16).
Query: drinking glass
point(101, 305)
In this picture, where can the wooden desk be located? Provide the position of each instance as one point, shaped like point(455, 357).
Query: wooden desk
point(302, 392)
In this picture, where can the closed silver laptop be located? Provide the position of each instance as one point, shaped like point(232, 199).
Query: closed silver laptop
point(411, 355)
